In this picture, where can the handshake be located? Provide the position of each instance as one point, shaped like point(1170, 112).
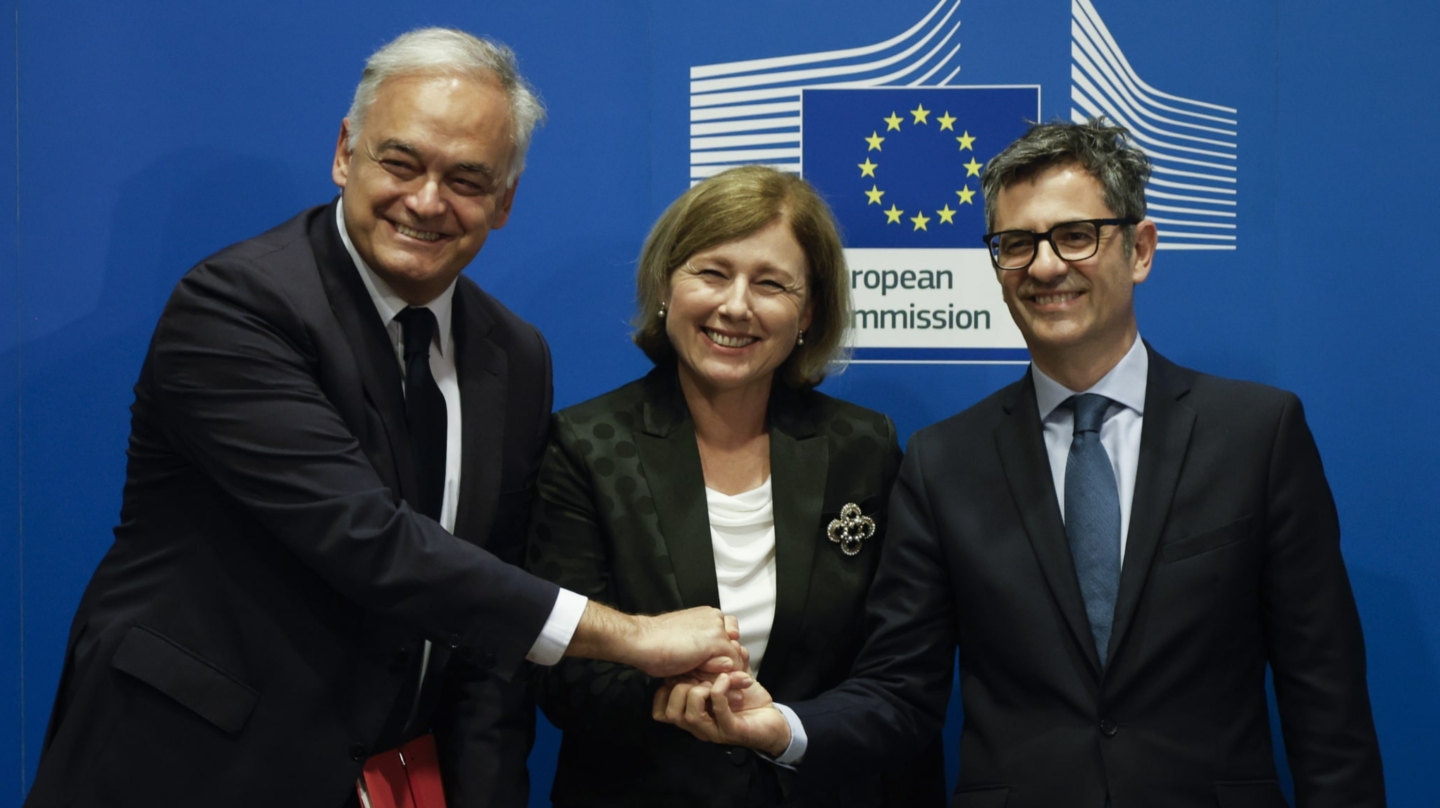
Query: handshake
point(708, 690)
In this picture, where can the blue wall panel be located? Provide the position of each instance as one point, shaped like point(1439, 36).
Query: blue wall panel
point(1355, 335)
point(13, 765)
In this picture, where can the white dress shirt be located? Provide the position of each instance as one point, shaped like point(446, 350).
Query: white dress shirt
point(742, 537)
point(564, 618)
point(1125, 386)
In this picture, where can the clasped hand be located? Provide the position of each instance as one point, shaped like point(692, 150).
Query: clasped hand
point(723, 707)
point(709, 691)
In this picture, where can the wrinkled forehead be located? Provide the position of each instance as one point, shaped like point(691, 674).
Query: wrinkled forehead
point(1038, 171)
point(444, 97)
point(1057, 185)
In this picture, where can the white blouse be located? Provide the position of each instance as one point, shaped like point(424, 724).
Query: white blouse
point(742, 534)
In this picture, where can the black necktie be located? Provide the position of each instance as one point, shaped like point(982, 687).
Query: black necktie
point(424, 410)
point(1092, 517)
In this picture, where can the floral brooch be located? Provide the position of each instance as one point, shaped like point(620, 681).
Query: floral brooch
point(851, 529)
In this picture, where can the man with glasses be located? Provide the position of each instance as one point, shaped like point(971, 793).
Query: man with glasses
point(1116, 545)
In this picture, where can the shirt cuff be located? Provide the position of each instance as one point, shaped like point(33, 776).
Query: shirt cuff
point(559, 628)
point(796, 750)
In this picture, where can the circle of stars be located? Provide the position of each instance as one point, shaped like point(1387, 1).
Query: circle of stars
point(920, 116)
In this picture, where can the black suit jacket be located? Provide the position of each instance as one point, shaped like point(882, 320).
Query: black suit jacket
point(621, 517)
point(1232, 561)
point(248, 638)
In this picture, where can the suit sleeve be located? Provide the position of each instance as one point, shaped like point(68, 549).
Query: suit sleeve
point(568, 546)
point(1313, 632)
point(894, 702)
point(234, 374)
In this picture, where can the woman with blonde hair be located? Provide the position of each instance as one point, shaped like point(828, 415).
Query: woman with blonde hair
point(724, 478)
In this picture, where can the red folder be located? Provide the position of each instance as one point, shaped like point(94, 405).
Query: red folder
point(408, 777)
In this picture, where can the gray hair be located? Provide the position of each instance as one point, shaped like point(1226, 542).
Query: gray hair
point(1105, 151)
point(446, 51)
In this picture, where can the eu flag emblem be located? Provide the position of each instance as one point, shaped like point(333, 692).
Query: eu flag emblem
point(901, 167)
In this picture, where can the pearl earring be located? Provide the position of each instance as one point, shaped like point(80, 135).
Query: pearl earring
point(800, 340)
point(662, 310)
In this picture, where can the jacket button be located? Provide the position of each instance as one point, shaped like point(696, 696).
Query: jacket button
point(1108, 728)
point(738, 755)
point(358, 753)
point(488, 659)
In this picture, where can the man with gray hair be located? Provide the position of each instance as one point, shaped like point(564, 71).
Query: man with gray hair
point(332, 450)
point(1117, 546)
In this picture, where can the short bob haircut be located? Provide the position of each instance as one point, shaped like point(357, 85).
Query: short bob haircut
point(1104, 150)
point(731, 206)
point(448, 52)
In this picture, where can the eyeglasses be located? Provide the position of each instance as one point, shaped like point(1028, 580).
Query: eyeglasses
point(1072, 241)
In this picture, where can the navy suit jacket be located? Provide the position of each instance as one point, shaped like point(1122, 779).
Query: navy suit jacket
point(1233, 561)
point(249, 637)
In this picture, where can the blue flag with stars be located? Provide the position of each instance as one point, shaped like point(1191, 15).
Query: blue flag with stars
point(901, 167)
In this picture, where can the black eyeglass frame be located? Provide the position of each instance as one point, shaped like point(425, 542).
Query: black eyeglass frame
point(1048, 236)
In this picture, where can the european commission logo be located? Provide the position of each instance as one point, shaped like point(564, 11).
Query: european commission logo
point(901, 167)
point(899, 152)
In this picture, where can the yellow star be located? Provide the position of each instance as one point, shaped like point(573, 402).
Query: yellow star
point(874, 193)
point(922, 115)
point(892, 122)
point(972, 168)
point(947, 121)
point(967, 141)
point(867, 168)
point(947, 216)
point(920, 219)
point(892, 216)
point(874, 140)
point(966, 195)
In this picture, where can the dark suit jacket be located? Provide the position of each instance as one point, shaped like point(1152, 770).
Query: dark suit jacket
point(1232, 561)
point(248, 638)
point(621, 517)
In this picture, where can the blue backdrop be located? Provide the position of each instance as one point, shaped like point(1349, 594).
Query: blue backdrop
point(139, 137)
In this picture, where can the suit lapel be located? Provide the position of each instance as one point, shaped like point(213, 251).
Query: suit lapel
point(671, 461)
point(1021, 443)
point(799, 462)
point(482, 370)
point(374, 354)
point(1164, 439)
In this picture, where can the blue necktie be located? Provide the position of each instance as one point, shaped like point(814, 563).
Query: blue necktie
point(1092, 517)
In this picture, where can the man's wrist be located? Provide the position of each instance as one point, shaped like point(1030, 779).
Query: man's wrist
point(605, 633)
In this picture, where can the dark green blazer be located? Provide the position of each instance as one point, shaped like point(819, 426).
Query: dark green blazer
point(621, 517)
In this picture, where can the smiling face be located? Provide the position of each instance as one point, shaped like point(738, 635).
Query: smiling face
point(425, 183)
point(1077, 317)
point(734, 311)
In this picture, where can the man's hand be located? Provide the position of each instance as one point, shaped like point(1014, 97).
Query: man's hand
point(661, 645)
point(705, 710)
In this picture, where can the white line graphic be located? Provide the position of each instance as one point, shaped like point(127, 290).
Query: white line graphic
point(736, 106)
point(1184, 138)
